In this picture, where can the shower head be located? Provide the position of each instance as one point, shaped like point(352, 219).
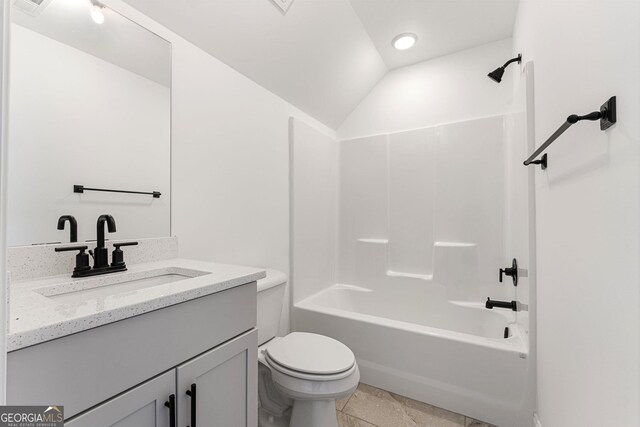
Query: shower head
point(496, 75)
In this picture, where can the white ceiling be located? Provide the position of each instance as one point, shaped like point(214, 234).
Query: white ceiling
point(324, 56)
point(118, 40)
point(318, 56)
point(442, 26)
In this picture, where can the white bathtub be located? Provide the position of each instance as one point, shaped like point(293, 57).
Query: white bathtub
point(418, 344)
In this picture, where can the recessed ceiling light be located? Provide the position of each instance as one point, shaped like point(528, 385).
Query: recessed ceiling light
point(404, 41)
point(96, 14)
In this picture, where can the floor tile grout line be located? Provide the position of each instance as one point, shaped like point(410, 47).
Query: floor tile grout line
point(358, 418)
point(403, 406)
point(394, 396)
point(349, 399)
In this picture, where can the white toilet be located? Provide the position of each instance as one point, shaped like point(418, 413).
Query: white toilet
point(301, 375)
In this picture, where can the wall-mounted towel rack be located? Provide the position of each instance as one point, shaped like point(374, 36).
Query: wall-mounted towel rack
point(606, 115)
point(82, 189)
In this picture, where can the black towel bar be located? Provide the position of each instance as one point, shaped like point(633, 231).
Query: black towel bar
point(82, 189)
point(606, 115)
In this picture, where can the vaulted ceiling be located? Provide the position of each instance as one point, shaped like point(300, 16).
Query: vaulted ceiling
point(324, 56)
point(442, 26)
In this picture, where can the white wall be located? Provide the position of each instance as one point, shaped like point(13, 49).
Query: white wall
point(451, 88)
point(314, 193)
point(4, 96)
point(77, 119)
point(588, 210)
point(520, 223)
point(230, 159)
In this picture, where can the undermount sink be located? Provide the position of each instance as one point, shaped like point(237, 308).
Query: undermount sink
point(115, 285)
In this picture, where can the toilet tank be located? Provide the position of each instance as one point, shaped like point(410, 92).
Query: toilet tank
point(270, 302)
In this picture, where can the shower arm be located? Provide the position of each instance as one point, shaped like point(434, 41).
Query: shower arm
point(516, 59)
point(606, 115)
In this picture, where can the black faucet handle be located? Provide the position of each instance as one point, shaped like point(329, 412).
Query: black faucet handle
point(71, 248)
point(117, 256)
point(118, 245)
point(506, 271)
point(82, 258)
point(511, 272)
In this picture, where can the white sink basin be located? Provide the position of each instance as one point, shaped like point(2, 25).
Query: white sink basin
point(115, 285)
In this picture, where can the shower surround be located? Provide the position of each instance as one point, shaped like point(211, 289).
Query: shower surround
point(426, 204)
point(397, 243)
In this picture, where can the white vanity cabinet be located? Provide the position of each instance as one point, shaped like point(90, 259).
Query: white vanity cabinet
point(221, 386)
point(121, 374)
point(144, 406)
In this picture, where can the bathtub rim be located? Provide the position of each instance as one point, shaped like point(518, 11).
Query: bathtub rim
point(516, 343)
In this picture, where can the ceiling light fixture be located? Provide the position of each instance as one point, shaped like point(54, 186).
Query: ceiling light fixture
point(404, 41)
point(97, 14)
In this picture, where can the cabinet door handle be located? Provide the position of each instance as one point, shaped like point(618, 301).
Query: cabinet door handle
point(171, 404)
point(192, 394)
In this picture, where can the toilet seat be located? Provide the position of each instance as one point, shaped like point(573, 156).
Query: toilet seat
point(310, 356)
point(305, 376)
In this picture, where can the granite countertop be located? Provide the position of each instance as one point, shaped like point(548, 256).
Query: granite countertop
point(36, 318)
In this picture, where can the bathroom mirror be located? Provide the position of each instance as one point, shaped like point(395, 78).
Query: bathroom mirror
point(89, 105)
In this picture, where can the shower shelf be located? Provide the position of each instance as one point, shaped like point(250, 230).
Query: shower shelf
point(375, 241)
point(454, 244)
point(410, 275)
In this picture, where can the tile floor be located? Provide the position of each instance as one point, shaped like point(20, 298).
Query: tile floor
point(373, 407)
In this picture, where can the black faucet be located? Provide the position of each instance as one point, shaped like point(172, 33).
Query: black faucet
point(512, 305)
point(73, 225)
point(100, 253)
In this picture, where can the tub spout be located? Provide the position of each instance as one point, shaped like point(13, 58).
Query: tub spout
point(513, 305)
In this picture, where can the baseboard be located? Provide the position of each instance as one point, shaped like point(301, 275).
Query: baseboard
point(536, 420)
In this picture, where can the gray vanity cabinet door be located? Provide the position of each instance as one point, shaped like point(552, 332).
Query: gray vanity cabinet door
point(226, 385)
point(143, 406)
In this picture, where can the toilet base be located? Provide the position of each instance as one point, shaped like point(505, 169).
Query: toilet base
point(314, 413)
point(265, 419)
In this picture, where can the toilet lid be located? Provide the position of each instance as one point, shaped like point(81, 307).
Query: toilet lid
point(311, 353)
